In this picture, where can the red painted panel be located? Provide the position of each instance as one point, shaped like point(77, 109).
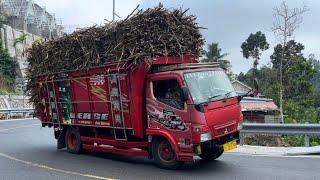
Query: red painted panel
point(115, 142)
point(81, 96)
point(137, 95)
point(223, 115)
point(127, 152)
point(174, 60)
point(99, 94)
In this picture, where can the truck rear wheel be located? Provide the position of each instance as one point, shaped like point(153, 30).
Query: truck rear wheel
point(209, 154)
point(164, 155)
point(73, 141)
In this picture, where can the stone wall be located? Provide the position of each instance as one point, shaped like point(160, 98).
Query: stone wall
point(8, 36)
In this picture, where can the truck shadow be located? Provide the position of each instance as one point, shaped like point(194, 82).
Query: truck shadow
point(197, 165)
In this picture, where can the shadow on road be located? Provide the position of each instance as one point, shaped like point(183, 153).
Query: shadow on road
point(197, 165)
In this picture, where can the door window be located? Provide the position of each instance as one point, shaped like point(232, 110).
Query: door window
point(168, 92)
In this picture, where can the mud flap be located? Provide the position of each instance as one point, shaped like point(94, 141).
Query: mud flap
point(60, 136)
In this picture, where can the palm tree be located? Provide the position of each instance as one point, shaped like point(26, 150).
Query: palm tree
point(214, 53)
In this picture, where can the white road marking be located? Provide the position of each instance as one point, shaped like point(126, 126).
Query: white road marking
point(45, 166)
point(53, 169)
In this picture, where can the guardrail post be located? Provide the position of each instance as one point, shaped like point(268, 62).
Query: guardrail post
point(9, 115)
point(307, 141)
point(241, 138)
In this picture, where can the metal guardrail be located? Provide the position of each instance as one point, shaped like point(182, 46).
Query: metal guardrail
point(307, 130)
point(9, 112)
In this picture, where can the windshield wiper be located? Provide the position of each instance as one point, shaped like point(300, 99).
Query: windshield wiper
point(209, 98)
point(226, 95)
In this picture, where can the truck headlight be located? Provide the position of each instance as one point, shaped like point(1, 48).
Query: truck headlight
point(206, 137)
point(240, 126)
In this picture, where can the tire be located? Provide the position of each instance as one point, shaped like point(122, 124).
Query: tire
point(73, 142)
point(209, 154)
point(164, 155)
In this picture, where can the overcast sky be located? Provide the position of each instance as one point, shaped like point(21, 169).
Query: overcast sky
point(228, 22)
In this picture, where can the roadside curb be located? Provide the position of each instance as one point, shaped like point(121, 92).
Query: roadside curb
point(276, 151)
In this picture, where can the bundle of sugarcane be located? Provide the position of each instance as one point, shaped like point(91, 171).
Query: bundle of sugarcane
point(140, 37)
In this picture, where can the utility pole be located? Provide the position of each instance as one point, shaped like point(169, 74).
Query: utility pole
point(114, 14)
point(114, 11)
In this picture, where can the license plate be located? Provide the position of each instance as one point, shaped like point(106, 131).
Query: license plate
point(230, 145)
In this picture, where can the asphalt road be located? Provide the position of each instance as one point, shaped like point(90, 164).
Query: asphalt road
point(28, 151)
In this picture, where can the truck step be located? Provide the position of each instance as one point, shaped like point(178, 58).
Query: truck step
point(115, 142)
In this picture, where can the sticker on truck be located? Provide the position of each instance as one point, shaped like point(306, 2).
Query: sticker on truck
point(170, 120)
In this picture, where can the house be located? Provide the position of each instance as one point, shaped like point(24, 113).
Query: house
point(257, 109)
point(260, 110)
point(240, 87)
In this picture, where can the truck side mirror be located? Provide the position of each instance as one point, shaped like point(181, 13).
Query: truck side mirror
point(185, 93)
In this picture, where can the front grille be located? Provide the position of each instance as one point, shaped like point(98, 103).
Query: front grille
point(223, 131)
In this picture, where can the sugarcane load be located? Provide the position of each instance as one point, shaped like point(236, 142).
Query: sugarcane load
point(140, 37)
point(136, 87)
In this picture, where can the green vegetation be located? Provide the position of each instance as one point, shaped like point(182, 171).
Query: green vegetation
point(253, 46)
point(20, 39)
point(301, 102)
point(7, 71)
point(7, 68)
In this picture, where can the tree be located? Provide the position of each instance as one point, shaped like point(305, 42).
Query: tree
point(253, 46)
point(213, 54)
point(286, 22)
point(298, 77)
point(292, 49)
point(315, 80)
point(316, 66)
point(267, 78)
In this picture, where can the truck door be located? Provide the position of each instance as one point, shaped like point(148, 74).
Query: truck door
point(168, 112)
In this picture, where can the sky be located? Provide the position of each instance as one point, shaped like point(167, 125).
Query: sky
point(228, 22)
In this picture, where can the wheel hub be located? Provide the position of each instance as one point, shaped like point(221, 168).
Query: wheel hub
point(165, 151)
point(72, 142)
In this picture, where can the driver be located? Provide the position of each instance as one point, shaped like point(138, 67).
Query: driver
point(173, 97)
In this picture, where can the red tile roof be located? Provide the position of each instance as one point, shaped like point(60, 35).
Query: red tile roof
point(258, 104)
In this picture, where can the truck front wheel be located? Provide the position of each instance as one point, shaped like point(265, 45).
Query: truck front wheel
point(209, 154)
point(164, 155)
point(72, 140)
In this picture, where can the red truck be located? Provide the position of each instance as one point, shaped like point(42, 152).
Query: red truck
point(169, 110)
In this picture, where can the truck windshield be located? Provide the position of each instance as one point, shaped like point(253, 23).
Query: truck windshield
point(207, 86)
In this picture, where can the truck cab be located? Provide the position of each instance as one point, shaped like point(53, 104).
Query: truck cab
point(196, 109)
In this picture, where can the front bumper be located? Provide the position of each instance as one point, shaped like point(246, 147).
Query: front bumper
point(188, 156)
point(216, 142)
